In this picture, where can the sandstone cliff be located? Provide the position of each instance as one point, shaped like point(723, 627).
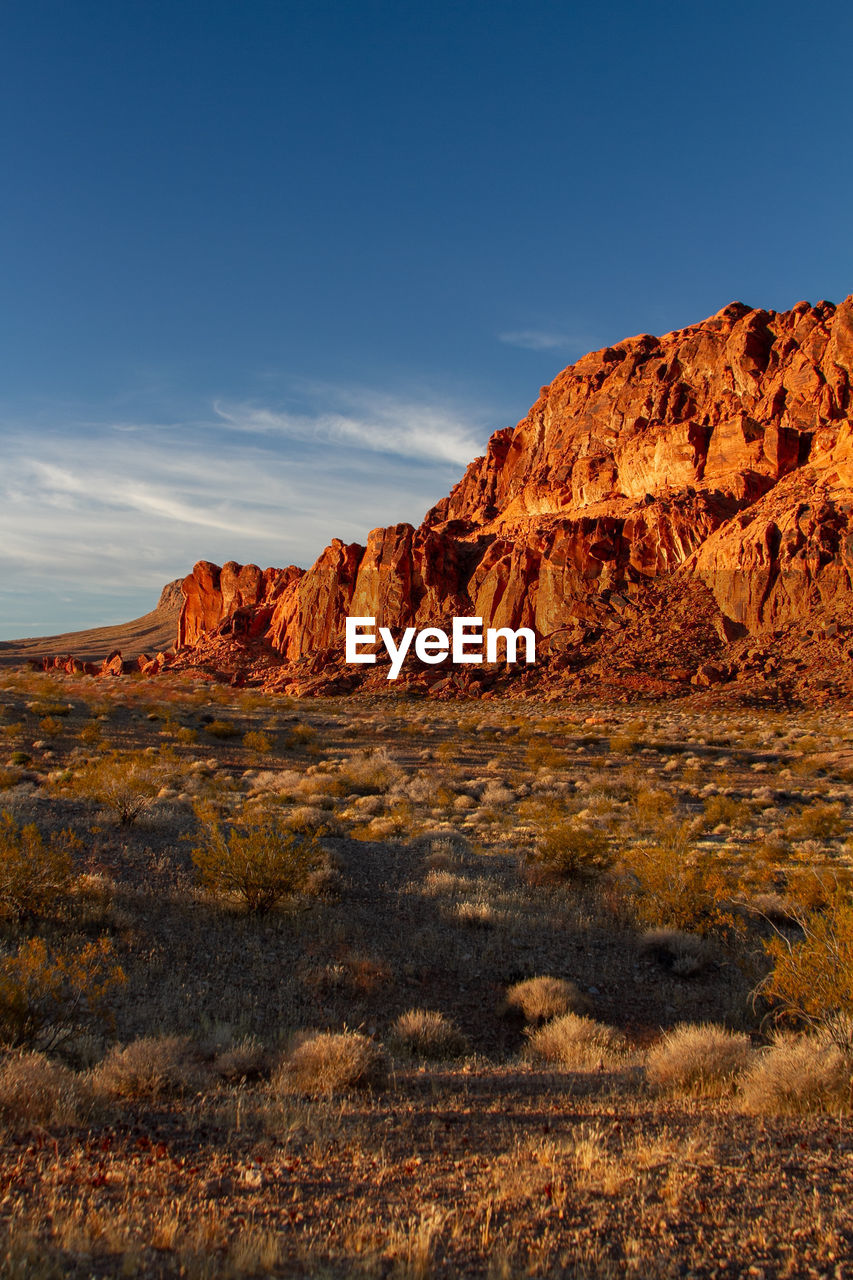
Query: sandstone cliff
point(717, 459)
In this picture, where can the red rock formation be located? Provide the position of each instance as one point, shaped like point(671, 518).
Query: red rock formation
point(722, 452)
point(214, 597)
point(113, 665)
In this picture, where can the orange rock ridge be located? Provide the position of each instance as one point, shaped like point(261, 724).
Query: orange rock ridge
point(718, 457)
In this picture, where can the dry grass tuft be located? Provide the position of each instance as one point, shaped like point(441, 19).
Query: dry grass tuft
point(329, 1061)
point(797, 1075)
point(543, 998)
point(245, 1060)
point(221, 729)
point(475, 914)
point(150, 1068)
point(256, 1250)
point(426, 1033)
point(578, 1043)
point(686, 955)
point(705, 1060)
point(34, 1091)
point(371, 773)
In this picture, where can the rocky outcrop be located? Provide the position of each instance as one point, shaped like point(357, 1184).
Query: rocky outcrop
point(790, 555)
point(236, 599)
point(720, 453)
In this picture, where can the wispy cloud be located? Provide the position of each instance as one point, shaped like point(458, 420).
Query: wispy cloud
point(107, 512)
point(368, 420)
point(544, 340)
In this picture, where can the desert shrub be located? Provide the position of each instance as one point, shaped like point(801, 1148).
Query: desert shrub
point(543, 998)
point(91, 735)
point(320, 785)
point(150, 1068)
point(654, 808)
point(426, 1033)
point(325, 880)
point(186, 735)
point(816, 822)
point(34, 1091)
point(698, 1059)
point(49, 708)
point(685, 954)
point(123, 782)
point(34, 873)
point(774, 851)
point(370, 773)
point(50, 727)
point(259, 741)
point(397, 821)
point(673, 886)
point(542, 754)
point(570, 851)
point(260, 863)
point(627, 738)
point(797, 1075)
point(809, 889)
point(811, 981)
point(330, 1061)
point(301, 735)
point(354, 973)
point(245, 1060)
point(20, 758)
point(92, 899)
point(46, 997)
point(221, 729)
point(578, 1043)
point(496, 794)
point(311, 821)
point(719, 809)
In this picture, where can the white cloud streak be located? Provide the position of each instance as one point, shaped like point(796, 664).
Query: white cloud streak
point(368, 420)
point(543, 340)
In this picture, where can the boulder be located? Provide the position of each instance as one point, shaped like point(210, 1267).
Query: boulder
point(113, 665)
point(709, 673)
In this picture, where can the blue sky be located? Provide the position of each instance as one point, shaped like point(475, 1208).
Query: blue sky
point(272, 272)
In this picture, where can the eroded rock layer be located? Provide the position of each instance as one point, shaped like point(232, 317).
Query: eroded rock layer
point(720, 456)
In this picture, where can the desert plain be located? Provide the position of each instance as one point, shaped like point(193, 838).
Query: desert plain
point(395, 986)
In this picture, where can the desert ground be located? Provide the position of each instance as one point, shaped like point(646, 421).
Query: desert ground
point(392, 986)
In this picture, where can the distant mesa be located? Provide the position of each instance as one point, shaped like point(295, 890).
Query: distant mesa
point(669, 511)
point(77, 651)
